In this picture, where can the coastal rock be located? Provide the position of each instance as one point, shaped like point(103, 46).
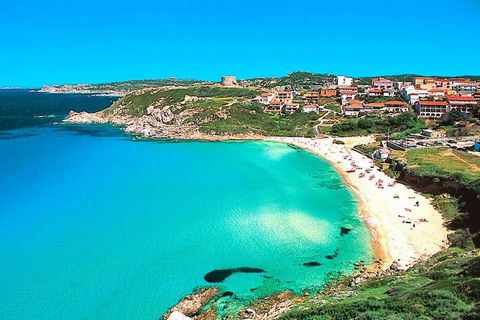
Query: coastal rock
point(85, 118)
point(175, 315)
point(164, 116)
point(191, 305)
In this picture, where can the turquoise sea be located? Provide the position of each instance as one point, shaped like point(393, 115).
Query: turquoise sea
point(95, 225)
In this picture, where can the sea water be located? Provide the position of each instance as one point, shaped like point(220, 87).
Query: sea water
point(95, 225)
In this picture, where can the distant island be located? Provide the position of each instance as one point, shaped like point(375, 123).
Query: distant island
point(387, 136)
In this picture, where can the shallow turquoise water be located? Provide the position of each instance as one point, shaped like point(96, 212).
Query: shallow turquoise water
point(95, 225)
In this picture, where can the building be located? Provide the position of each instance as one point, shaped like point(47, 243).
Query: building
point(310, 108)
point(431, 109)
point(275, 107)
point(347, 93)
point(285, 96)
point(429, 133)
point(465, 104)
point(355, 108)
point(438, 93)
point(291, 108)
point(396, 107)
point(402, 84)
point(266, 97)
point(383, 84)
point(311, 97)
point(229, 81)
point(374, 92)
point(344, 81)
point(413, 95)
point(466, 87)
point(374, 106)
point(328, 93)
point(425, 83)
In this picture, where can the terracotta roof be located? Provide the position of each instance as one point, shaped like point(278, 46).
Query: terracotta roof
point(396, 103)
point(347, 88)
point(375, 104)
point(460, 98)
point(433, 103)
point(375, 91)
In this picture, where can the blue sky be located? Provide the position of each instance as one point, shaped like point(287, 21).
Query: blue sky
point(54, 42)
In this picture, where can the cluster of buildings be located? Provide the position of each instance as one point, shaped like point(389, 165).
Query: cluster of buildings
point(430, 97)
point(359, 107)
point(344, 92)
point(435, 97)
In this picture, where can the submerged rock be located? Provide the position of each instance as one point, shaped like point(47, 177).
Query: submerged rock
point(219, 275)
point(344, 231)
point(332, 256)
point(312, 264)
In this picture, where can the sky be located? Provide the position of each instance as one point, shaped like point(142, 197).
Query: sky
point(57, 42)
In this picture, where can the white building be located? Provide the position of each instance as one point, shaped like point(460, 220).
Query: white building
point(413, 94)
point(310, 108)
point(344, 81)
point(266, 97)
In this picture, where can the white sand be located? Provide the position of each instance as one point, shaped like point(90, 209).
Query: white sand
point(394, 238)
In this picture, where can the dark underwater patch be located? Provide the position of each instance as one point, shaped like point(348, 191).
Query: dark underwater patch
point(312, 264)
point(344, 231)
point(219, 275)
point(332, 256)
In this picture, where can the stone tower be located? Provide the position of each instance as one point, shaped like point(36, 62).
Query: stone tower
point(229, 81)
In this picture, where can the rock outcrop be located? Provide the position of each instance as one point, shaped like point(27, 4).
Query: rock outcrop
point(191, 305)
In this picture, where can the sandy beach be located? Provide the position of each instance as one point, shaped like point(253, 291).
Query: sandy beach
point(405, 227)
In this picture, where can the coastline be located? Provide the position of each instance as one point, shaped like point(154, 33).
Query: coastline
point(402, 233)
point(397, 244)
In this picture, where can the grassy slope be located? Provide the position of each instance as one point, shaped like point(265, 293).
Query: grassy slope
point(444, 163)
point(223, 111)
point(398, 126)
point(136, 104)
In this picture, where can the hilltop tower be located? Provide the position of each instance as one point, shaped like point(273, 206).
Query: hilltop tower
point(229, 81)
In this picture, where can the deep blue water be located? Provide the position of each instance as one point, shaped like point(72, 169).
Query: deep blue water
point(94, 225)
point(21, 108)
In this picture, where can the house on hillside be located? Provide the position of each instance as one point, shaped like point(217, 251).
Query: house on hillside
point(266, 97)
point(395, 107)
point(310, 108)
point(464, 104)
point(374, 92)
point(383, 84)
point(466, 87)
point(347, 93)
point(275, 107)
point(374, 106)
point(285, 96)
point(311, 97)
point(355, 108)
point(431, 109)
point(344, 81)
point(328, 93)
point(291, 108)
